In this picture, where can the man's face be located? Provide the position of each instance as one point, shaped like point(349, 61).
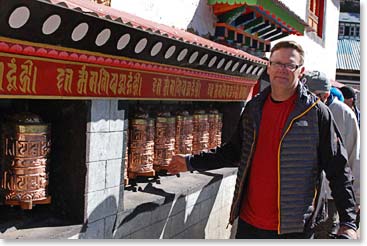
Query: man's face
point(323, 95)
point(349, 102)
point(285, 68)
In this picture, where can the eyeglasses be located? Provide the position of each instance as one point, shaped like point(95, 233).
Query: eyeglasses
point(289, 66)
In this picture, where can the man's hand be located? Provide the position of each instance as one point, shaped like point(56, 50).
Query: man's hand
point(177, 164)
point(344, 230)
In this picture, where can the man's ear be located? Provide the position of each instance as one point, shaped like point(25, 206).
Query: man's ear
point(301, 72)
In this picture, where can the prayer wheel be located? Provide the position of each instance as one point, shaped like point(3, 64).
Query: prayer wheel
point(219, 129)
point(201, 132)
point(213, 119)
point(126, 163)
point(184, 133)
point(164, 143)
point(24, 160)
point(141, 148)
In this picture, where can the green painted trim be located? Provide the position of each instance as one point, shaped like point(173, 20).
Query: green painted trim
point(247, 41)
point(230, 16)
point(266, 30)
point(284, 15)
point(254, 23)
point(231, 35)
point(269, 5)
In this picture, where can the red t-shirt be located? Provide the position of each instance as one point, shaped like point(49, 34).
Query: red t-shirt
point(260, 204)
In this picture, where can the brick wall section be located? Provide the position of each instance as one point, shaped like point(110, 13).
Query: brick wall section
point(193, 206)
point(104, 159)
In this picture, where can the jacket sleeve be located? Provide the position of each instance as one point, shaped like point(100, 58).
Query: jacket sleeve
point(333, 159)
point(227, 155)
point(352, 144)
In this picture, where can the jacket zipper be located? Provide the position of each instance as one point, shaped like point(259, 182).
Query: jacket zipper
point(280, 143)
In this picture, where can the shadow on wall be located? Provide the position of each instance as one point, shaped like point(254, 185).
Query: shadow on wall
point(175, 217)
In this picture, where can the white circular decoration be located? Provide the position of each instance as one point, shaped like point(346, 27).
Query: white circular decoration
point(140, 46)
point(182, 55)
point(156, 48)
point(212, 61)
point(103, 37)
point(193, 57)
point(255, 70)
point(51, 24)
point(123, 41)
point(228, 65)
point(170, 52)
point(235, 66)
point(19, 17)
point(249, 69)
point(260, 71)
point(243, 67)
point(220, 63)
point(79, 31)
point(203, 59)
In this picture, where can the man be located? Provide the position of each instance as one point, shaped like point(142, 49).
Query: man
point(318, 83)
point(350, 99)
point(284, 139)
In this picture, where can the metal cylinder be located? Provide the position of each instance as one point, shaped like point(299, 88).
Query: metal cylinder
point(219, 129)
point(213, 120)
point(24, 159)
point(201, 132)
point(141, 147)
point(164, 143)
point(184, 133)
point(126, 157)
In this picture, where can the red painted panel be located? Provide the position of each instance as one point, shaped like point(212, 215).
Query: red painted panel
point(39, 77)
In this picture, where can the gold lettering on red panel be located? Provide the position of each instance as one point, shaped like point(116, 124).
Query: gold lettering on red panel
point(11, 76)
point(64, 79)
point(28, 77)
point(1, 75)
point(104, 81)
point(82, 81)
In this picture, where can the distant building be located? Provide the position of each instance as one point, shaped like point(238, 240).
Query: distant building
point(348, 51)
point(350, 6)
point(349, 26)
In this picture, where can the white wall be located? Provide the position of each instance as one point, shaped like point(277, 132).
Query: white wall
point(319, 54)
point(183, 14)
point(297, 6)
point(196, 14)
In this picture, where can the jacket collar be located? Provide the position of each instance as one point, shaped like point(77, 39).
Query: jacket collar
point(304, 100)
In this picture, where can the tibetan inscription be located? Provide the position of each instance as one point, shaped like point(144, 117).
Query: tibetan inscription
point(26, 76)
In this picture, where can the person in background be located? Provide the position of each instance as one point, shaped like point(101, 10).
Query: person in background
point(284, 141)
point(337, 93)
point(350, 99)
point(318, 83)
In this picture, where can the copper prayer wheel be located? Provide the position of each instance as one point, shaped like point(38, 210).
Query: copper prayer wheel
point(126, 163)
point(126, 160)
point(24, 158)
point(219, 129)
point(184, 133)
point(201, 132)
point(164, 144)
point(141, 148)
point(213, 119)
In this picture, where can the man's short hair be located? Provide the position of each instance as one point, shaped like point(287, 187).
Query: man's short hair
point(289, 44)
point(348, 92)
